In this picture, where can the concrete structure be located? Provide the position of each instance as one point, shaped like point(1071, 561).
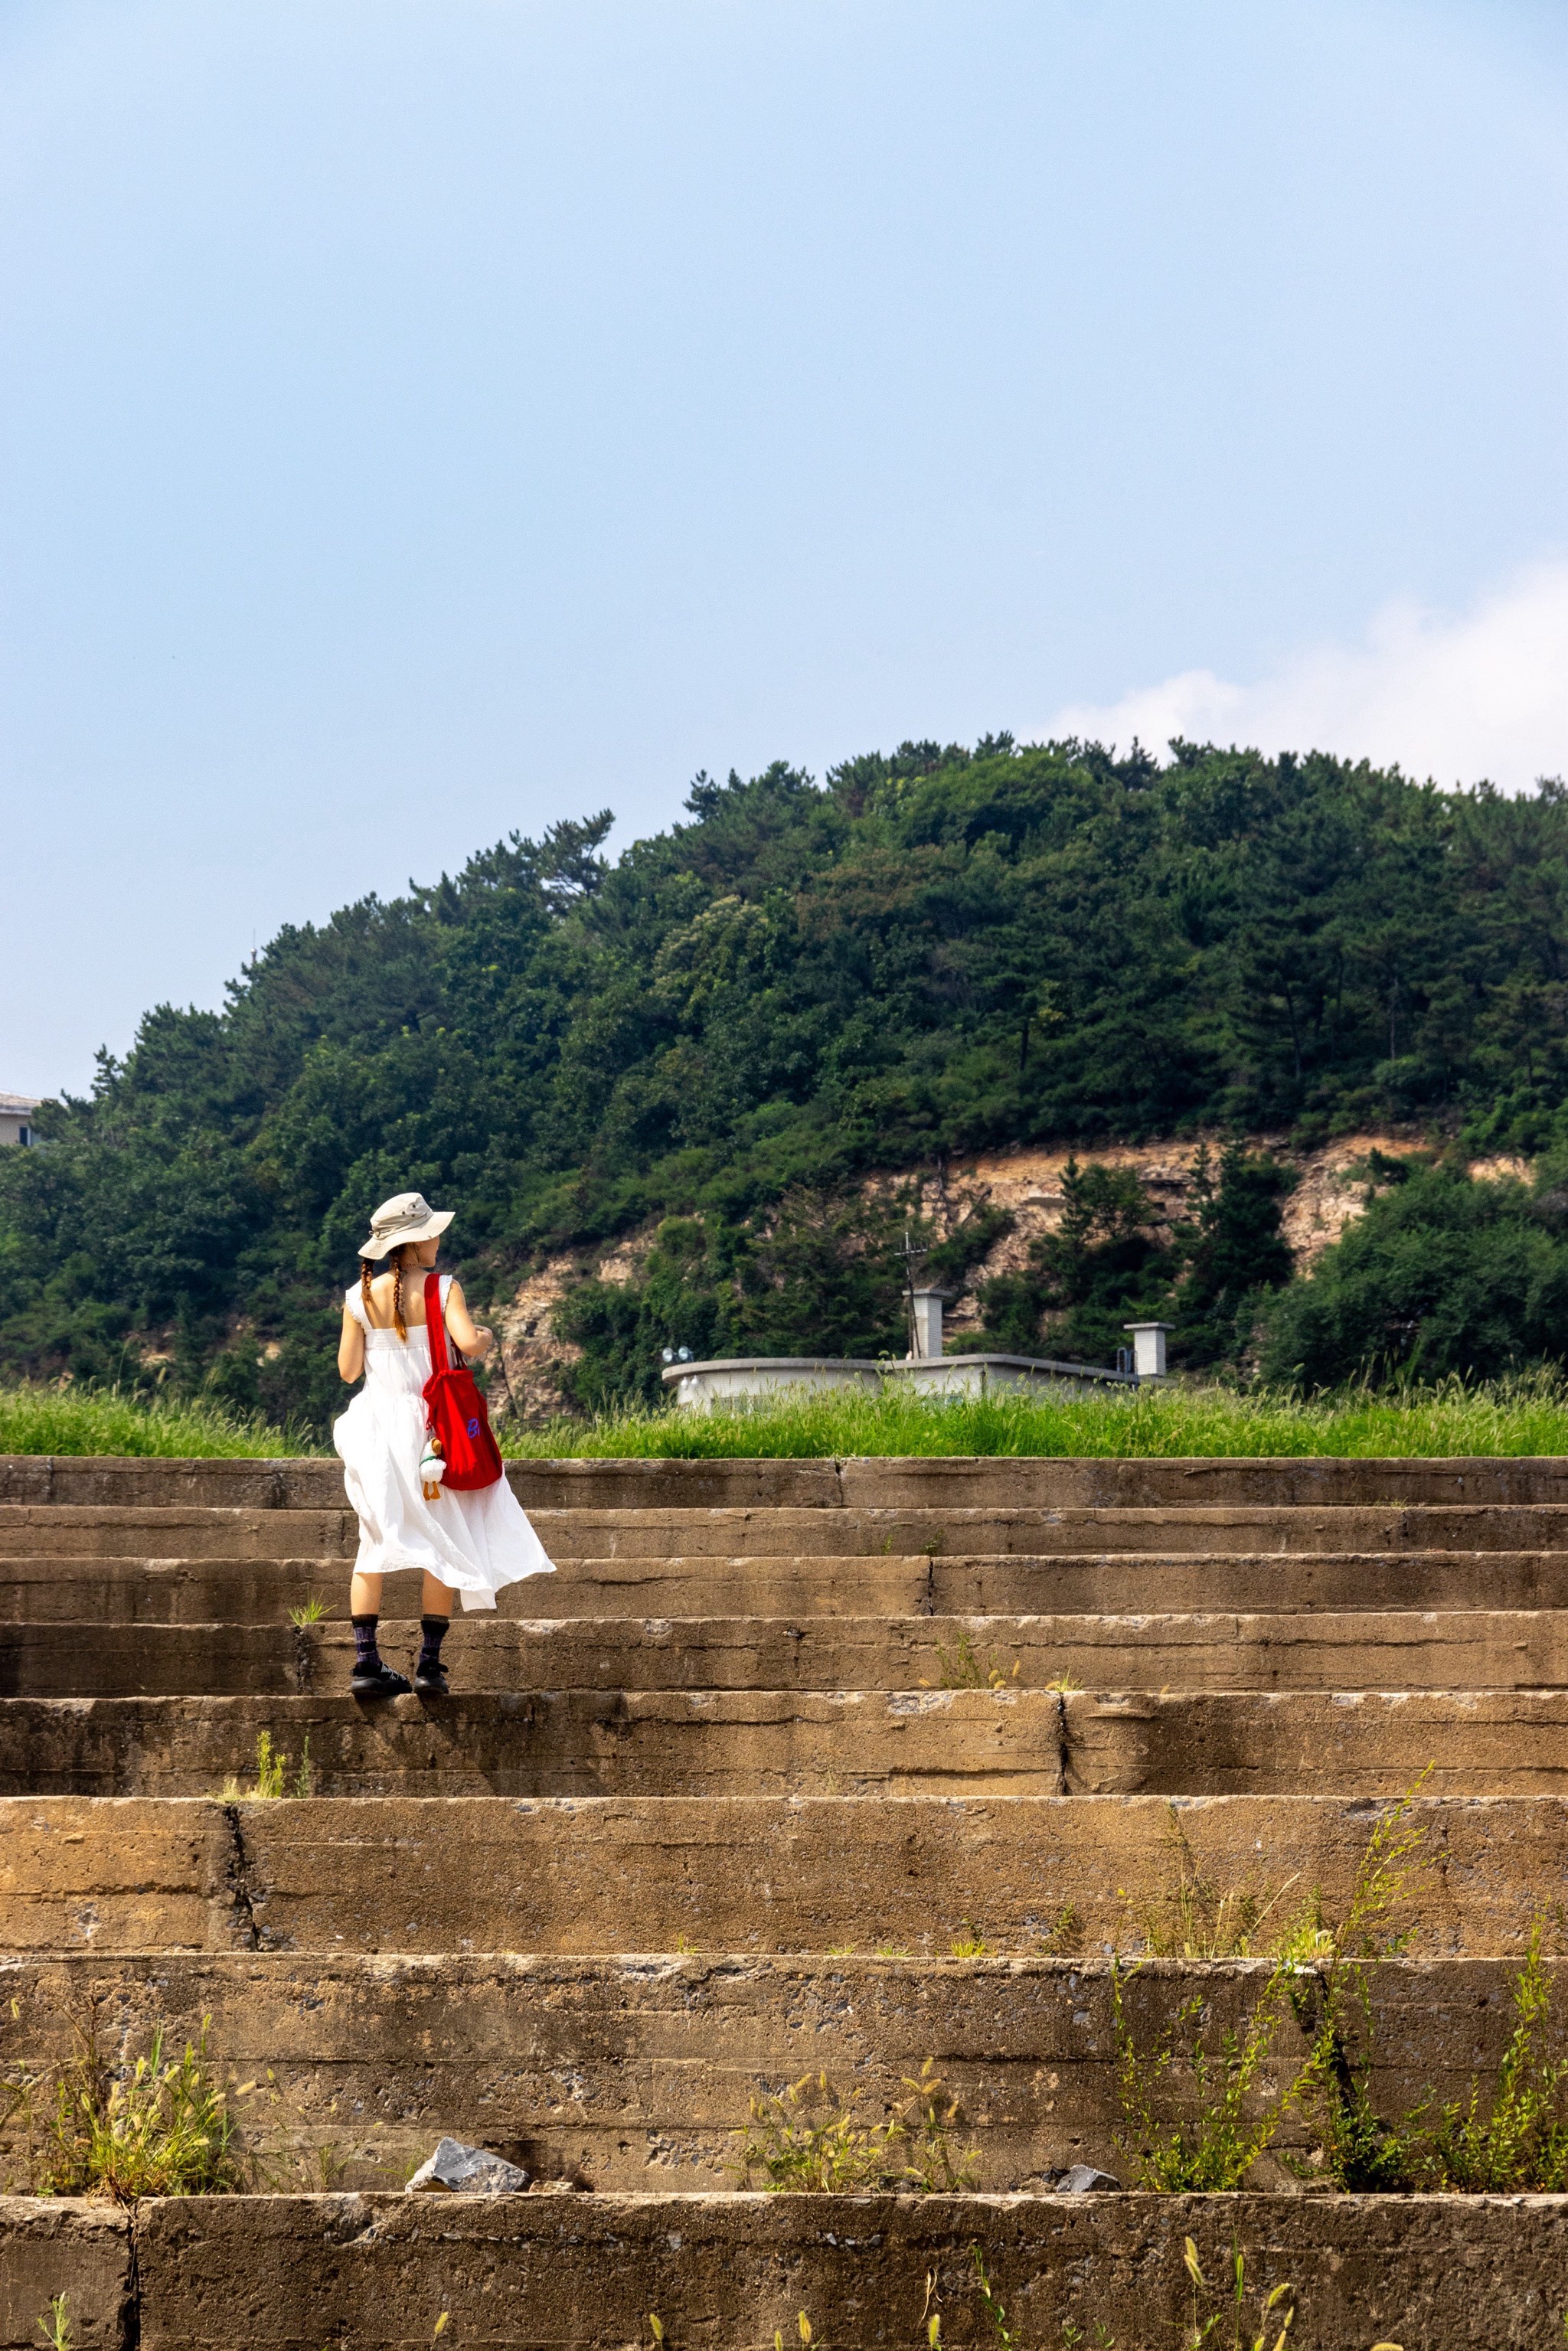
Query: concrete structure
point(739, 1811)
point(738, 1379)
point(925, 1314)
point(17, 1118)
point(1149, 1348)
point(735, 1379)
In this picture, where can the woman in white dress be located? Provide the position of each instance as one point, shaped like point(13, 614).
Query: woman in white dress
point(467, 1543)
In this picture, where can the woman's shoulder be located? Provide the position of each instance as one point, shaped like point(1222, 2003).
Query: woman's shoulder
point(354, 1304)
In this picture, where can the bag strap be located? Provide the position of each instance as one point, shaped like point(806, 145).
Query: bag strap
point(435, 1323)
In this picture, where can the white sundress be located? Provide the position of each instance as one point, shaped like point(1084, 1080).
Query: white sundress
point(473, 1542)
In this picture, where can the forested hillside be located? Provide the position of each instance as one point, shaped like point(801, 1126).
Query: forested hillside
point(920, 956)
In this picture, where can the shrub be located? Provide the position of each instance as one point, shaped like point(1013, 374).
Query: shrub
point(1444, 1276)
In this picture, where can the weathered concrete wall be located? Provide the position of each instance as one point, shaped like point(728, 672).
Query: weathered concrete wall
point(61, 1588)
point(715, 1874)
point(61, 2245)
point(1433, 2274)
point(568, 2274)
point(637, 2072)
point(944, 1483)
point(610, 1742)
point(1470, 1649)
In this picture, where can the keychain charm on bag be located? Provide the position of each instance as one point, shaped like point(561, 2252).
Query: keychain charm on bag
point(432, 1470)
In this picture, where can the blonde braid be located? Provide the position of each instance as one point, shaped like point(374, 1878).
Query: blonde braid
point(367, 1275)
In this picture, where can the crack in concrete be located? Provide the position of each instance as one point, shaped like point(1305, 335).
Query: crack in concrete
point(238, 1875)
point(131, 2301)
point(1063, 1745)
point(304, 1660)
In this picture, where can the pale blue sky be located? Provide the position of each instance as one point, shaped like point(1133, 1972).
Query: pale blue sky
point(425, 417)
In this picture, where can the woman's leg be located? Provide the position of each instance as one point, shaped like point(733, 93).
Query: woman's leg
point(365, 1595)
point(372, 1679)
point(435, 1603)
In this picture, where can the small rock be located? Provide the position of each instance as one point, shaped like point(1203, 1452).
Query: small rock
point(1084, 2179)
point(458, 2170)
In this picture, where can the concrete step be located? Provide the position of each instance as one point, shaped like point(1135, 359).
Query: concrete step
point(561, 1743)
point(550, 1743)
point(1474, 1649)
point(1002, 1481)
point(53, 1589)
point(1035, 1482)
point(279, 2273)
point(34, 1530)
point(717, 1875)
point(636, 2072)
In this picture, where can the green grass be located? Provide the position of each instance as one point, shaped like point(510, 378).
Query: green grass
point(1524, 1417)
point(67, 1420)
point(1527, 1417)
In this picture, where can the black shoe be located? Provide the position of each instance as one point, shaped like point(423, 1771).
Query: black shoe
point(430, 1681)
point(381, 1683)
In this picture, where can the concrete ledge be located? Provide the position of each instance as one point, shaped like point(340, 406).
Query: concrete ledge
point(33, 1532)
point(742, 1875)
point(635, 2072)
point(52, 2245)
point(1383, 1649)
point(1012, 1481)
point(725, 2271)
point(55, 1588)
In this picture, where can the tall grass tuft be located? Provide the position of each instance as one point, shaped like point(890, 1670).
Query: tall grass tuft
point(159, 2127)
point(71, 1419)
point(1528, 1416)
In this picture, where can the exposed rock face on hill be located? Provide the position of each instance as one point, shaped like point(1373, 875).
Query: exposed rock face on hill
point(1328, 1196)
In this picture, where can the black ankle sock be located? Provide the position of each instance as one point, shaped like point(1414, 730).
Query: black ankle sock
point(367, 1657)
point(434, 1631)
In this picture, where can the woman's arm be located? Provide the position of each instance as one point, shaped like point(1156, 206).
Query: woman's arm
point(351, 1348)
point(472, 1337)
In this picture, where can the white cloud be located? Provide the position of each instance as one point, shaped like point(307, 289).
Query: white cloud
point(1485, 694)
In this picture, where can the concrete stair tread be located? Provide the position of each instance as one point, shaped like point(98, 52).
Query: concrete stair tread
point(724, 1874)
point(1186, 1650)
point(636, 2070)
point(692, 1533)
point(731, 2270)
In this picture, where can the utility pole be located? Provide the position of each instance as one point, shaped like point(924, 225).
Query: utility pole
point(909, 1253)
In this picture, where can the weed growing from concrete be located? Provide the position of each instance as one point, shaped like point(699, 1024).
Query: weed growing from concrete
point(1194, 1919)
point(971, 1944)
point(307, 1612)
point(1230, 2105)
point(809, 2140)
point(55, 2329)
point(961, 1668)
point(1064, 1933)
point(272, 1781)
point(162, 2128)
point(1521, 2143)
point(1207, 2328)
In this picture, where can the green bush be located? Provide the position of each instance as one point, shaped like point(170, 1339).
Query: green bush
point(1443, 1277)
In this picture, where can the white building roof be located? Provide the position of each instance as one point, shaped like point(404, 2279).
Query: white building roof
point(19, 1102)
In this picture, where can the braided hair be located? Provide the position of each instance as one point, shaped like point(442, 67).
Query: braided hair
point(369, 1269)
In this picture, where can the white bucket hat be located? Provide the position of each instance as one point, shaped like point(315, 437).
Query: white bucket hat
point(408, 1216)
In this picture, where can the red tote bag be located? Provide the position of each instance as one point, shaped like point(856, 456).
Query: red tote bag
point(454, 1410)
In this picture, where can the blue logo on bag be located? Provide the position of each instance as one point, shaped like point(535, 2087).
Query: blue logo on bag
point(473, 1429)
